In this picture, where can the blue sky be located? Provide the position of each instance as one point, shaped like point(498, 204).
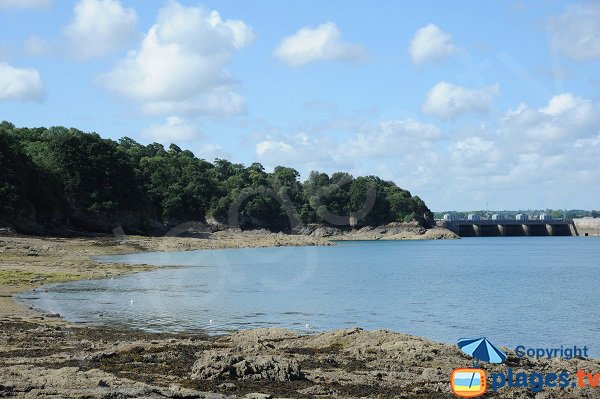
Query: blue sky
point(468, 105)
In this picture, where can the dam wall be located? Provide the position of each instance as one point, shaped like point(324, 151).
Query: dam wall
point(587, 226)
point(508, 228)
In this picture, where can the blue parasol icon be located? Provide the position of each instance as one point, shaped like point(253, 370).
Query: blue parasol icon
point(481, 349)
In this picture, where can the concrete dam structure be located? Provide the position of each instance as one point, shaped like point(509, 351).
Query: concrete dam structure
point(587, 227)
point(507, 228)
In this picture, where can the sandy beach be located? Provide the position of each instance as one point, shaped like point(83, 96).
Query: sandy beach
point(43, 356)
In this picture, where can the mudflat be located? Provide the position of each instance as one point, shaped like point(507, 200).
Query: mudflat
point(43, 356)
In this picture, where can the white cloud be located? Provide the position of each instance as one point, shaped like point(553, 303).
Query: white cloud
point(100, 27)
point(322, 43)
point(180, 65)
point(447, 101)
point(560, 103)
point(471, 145)
point(266, 146)
point(565, 117)
point(557, 143)
point(39, 4)
point(395, 136)
point(297, 149)
point(20, 84)
point(38, 46)
point(211, 151)
point(220, 102)
point(174, 130)
point(430, 43)
point(583, 143)
point(576, 32)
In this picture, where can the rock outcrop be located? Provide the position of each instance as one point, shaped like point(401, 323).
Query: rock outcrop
point(223, 364)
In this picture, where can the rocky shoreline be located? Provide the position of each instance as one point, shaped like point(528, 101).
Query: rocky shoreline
point(42, 356)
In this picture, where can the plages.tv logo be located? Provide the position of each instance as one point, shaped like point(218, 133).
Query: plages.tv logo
point(472, 382)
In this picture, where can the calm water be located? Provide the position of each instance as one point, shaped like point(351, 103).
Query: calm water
point(535, 291)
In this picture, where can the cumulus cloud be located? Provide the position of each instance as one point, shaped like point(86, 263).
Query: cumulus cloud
point(220, 102)
point(555, 143)
point(565, 117)
point(576, 32)
point(174, 130)
point(447, 101)
point(397, 137)
point(20, 84)
point(472, 157)
point(297, 149)
point(100, 27)
point(22, 4)
point(323, 43)
point(430, 43)
point(586, 143)
point(181, 64)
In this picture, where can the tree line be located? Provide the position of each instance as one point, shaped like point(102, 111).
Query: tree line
point(57, 177)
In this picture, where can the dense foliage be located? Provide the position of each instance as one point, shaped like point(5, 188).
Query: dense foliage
point(59, 177)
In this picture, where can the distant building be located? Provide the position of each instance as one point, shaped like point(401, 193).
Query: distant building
point(473, 217)
point(496, 216)
point(545, 217)
point(522, 217)
point(448, 217)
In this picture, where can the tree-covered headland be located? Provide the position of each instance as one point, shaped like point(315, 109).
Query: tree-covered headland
point(54, 179)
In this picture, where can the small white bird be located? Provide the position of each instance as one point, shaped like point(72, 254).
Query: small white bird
point(307, 326)
point(131, 302)
point(211, 321)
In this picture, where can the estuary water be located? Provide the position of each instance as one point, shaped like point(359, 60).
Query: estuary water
point(533, 291)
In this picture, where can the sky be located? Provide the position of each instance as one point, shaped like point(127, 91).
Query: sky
point(468, 104)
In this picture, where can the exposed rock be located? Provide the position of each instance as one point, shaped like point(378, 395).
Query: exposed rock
point(320, 231)
point(259, 338)
point(41, 361)
point(227, 385)
point(391, 231)
point(222, 364)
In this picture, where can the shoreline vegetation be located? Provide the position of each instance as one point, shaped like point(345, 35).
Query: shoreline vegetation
point(60, 181)
point(42, 355)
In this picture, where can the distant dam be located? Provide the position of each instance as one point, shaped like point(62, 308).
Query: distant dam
point(521, 226)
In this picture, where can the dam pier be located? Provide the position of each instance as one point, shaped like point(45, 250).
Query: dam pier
point(521, 225)
point(509, 228)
